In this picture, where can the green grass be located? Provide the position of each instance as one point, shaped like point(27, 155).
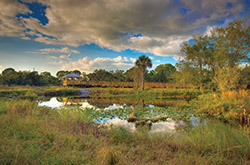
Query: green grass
point(37, 135)
point(147, 94)
point(34, 92)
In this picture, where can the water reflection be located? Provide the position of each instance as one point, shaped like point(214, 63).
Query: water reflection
point(163, 127)
point(52, 103)
point(113, 112)
point(55, 102)
point(103, 101)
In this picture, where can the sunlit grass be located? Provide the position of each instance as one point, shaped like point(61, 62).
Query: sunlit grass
point(36, 135)
point(33, 92)
point(229, 105)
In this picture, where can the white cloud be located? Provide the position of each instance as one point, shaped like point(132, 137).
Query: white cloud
point(59, 57)
point(87, 64)
point(178, 58)
point(209, 30)
point(54, 50)
point(26, 38)
point(112, 24)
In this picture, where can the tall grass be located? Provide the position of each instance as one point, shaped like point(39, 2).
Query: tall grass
point(217, 142)
point(229, 105)
point(146, 94)
point(33, 92)
point(36, 135)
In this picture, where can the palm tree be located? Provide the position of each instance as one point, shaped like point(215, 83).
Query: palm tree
point(142, 63)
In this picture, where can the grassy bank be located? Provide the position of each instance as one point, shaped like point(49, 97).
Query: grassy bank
point(38, 135)
point(148, 93)
point(34, 91)
point(228, 105)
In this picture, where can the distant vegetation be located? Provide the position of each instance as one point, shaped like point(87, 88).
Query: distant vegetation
point(11, 77)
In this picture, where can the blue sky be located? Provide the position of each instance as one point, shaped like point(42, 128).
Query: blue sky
point(48, 35)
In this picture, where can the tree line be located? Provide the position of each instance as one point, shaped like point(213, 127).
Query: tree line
point(10, 76)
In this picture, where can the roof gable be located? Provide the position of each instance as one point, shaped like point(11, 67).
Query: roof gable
point(72, 75)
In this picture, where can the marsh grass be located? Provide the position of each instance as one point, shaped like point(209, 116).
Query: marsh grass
point(33, 92)
point(36, 135)
point(228, 105)
point(148, 93)
point(217, 142)
point(107, 155)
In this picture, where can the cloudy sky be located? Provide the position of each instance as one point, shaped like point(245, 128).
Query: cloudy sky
point(49, 35)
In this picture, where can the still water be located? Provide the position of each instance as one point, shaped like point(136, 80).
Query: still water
point(117, 117)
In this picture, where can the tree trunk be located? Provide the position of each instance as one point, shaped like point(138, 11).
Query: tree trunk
point(142, 85)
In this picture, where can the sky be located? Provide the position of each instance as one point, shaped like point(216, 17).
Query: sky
point(53, 35)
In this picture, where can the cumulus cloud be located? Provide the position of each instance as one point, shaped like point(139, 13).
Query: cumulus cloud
point(9, 24)
point(163, 24)
point(87, 64)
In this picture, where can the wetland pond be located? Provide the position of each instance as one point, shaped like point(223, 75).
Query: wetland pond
point(155, 116)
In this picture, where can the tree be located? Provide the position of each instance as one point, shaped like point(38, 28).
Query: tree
point(9, 76)
point(151, 76)
point(226, 78)
point(197, 53)
point(8, 70)
point(46, 78)
point(245, 74)
point(76, 72)
point(133, 74)
point(221, 53)
point(163, 72)
point(119, 75)
point(84, 76)
point(100, 75)
point(62, 73)
point(45, 74)
point(142, 63)
point(186, 73)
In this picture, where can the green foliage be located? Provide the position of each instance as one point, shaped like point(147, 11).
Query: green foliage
point(162, 73)
point(226, 78)
point(245, 74)
point(227, 105)
point(11, 77)
point(33, 92)
point(30, 95)
point(220, 53)
point(76, 72)
point(101, 75)
point(187, 73)
point(8, 71)
point(133, 74)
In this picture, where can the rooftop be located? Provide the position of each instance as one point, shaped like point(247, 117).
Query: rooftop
point(72, 75)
